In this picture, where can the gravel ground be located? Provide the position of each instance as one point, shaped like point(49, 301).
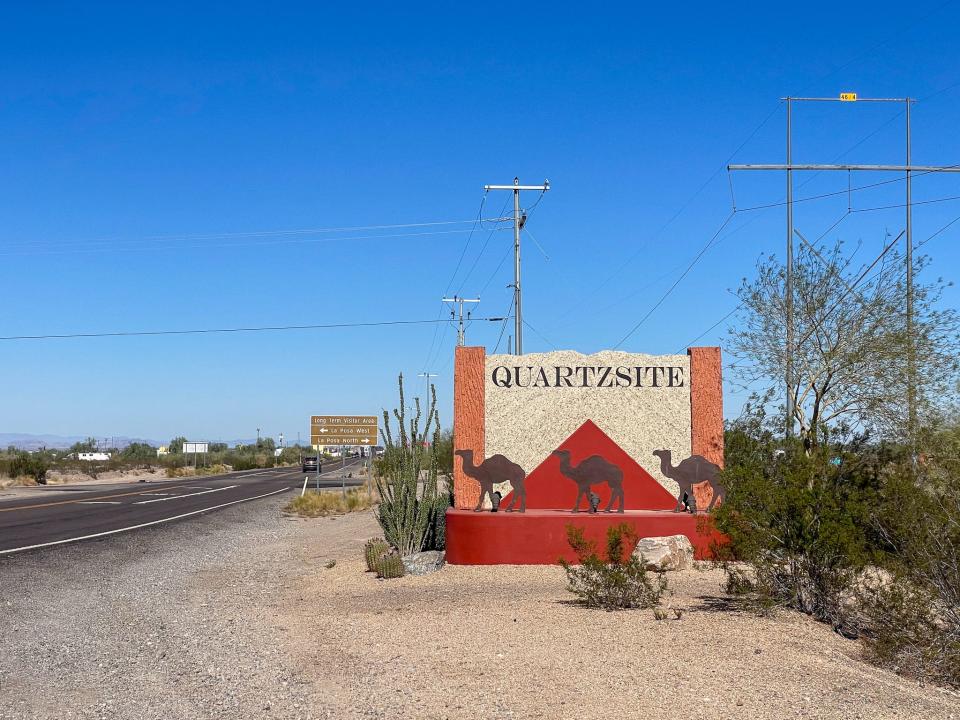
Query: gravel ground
point(234, 615)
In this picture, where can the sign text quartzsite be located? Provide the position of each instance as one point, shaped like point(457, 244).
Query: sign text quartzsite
point(588, 376)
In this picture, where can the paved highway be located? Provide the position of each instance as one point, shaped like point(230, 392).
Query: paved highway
point(61, 514)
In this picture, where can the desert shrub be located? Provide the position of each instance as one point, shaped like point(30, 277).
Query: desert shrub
point(373, 549)
point(800, 519)
point(332, 502)
point(29, 464)
point(139, 454)
point(240, 461)
point(912, 610)
point(412, 506)
point(611, 582)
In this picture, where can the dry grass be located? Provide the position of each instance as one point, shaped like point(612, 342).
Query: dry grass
point(331, 502)
point(188, 471)
point(21, 481)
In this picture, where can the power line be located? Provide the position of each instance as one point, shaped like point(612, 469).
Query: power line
point(270, 243)
point(503, 327)
point(540, 335)
point(495, 271)
point(433, 341)
point(262, 233)
point(208, 331)
point(822, 196)
point(949, 224)
point(483, 199)
point(709, 329)
point(684, 207)
point(693, 262)
point(483, 249)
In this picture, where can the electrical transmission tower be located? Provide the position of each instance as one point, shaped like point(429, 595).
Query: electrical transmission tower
point(518, 222)
point(460, 301)
point(908, 169)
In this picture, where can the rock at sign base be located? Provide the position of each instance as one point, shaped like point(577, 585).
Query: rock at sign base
point(424, 562)
point(673, 552)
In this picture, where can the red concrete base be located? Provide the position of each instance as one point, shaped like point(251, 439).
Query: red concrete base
point(539, 537)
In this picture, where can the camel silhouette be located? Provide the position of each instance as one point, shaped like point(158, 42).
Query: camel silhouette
point(494, 469)
point(592, 471)
point(695, 469)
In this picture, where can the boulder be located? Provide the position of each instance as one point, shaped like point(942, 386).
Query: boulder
point(424, 562)
point(673, 552)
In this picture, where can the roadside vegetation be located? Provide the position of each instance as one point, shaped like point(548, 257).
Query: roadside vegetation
point(413, 496)
point(37, 467)
point(320, 503)
point(856, 520)
point(617, 580)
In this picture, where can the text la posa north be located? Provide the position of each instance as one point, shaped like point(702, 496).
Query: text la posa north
point(587, 376)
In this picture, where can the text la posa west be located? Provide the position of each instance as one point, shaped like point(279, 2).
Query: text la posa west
point(586, 376)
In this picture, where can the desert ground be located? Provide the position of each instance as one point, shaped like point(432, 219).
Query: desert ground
point(237, 615)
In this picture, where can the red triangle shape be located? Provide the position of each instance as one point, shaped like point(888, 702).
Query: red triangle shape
point(548, 489)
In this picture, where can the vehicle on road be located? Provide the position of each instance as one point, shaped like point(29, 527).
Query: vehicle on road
point(310, 464)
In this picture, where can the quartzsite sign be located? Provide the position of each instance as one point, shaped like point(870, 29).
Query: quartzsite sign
point(343, 430)
point(588, 376)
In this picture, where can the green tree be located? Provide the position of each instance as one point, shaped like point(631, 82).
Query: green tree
point(176, 445)
point(88, 445)
point(851, 357)
point(139, 452)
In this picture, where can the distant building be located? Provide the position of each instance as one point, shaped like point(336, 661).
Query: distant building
point(93, 456)
point(163, 450)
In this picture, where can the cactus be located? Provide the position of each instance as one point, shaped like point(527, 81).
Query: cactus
point(373, 551)
point(390, 565)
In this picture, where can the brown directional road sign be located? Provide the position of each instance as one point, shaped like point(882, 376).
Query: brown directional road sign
point(343, 430)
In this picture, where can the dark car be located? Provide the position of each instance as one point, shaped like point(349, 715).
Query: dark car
point(310, 464)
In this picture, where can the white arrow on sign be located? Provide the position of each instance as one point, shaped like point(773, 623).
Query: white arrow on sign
point(323, 430)
point(364, 441)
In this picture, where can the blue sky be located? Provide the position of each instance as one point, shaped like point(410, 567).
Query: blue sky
point(154, 159)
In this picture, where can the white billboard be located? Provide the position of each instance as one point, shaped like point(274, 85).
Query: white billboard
point(194, 447)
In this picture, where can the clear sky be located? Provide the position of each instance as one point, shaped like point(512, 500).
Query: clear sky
point(157, 160)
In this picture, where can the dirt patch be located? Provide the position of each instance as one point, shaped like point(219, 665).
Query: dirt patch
point(506, 641)
point(236, 615)
point(105, 478)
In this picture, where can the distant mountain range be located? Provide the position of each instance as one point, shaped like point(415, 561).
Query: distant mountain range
point(26, 441)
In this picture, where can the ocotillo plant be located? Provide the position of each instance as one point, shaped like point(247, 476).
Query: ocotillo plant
point(411, 506)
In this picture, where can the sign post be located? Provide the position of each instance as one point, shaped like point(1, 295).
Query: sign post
point(342, 430)
point(195, 448)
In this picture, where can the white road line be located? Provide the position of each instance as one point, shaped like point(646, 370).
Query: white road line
point(141, 525)
point(154, 493)
point(99, 502)
point(185, 495)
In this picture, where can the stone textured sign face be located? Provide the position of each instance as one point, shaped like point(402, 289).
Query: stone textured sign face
point(532, 403)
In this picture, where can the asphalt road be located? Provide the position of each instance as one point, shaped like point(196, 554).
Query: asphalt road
point(63, 513)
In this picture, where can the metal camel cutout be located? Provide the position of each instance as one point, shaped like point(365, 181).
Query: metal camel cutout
point(494, 469)
point(592, 471)
point(695, 469)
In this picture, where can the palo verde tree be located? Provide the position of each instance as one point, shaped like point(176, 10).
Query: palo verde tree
point(852, 354)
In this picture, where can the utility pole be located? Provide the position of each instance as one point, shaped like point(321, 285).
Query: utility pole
point(426, 376)
point(460, 301)
point(789, 289)
point(518, 222)
point(911, 356)
point(909, 168)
